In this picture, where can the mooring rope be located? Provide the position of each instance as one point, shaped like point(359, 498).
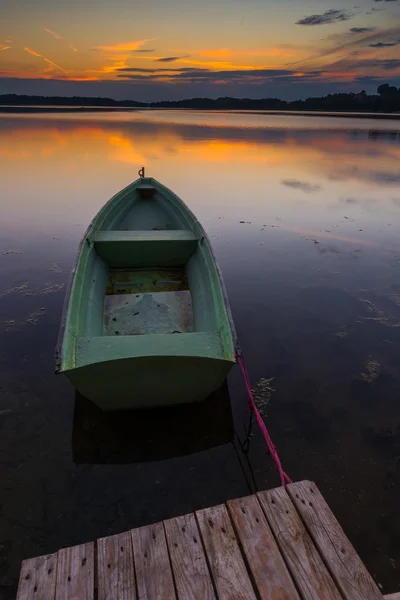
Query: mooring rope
point(285, 479)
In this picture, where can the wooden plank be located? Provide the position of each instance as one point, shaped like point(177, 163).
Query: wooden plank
point(267, 566)
point(75, 573)
point(226, 563)
point(346, 567)
point(303, 560)
point(37, 579)
point(116, 571)
point(189, 565)
point(395, 596)
point(153, 570)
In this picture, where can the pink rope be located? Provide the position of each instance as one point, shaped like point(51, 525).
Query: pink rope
point(285, 479)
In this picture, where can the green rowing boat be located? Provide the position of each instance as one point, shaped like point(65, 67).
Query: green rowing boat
point(146, 321)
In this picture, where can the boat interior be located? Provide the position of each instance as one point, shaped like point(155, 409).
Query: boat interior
point(148, 275)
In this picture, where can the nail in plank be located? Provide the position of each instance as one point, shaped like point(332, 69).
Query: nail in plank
point(38, 578)
point(152, 565)
point(115, 568)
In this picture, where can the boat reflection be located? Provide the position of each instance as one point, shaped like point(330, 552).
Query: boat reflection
point(124, 437)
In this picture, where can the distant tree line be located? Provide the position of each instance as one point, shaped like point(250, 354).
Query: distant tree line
point(24, 100)
point(386, 100)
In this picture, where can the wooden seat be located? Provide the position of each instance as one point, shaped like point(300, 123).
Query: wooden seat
point(145, 248)
point(106, 348)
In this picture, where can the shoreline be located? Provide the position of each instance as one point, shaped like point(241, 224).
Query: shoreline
point(18, 109)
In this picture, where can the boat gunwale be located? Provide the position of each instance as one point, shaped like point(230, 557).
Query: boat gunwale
point(85, 239)
point(64, 312)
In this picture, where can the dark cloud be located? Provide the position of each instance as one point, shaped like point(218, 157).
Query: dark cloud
point(385, 44)
point(388, 63)
point(346, 42)
point(145, 50)
point(364, 65)
point(369, 80)
point(169, 58)
point(148, 70)
point(304, 186)
point(329, 16)
point(362, 29)
point(131, 72)
point(195, 75)
point(386, 0)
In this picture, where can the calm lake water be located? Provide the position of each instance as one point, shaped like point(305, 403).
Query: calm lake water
point(304, 217)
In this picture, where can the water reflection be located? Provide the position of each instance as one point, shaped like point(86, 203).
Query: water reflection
point(303, 214)
point(149, 435)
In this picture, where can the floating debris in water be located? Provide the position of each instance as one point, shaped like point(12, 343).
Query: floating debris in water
point(370, 306)
point(262, 393)
point(391, 294)
point(248, 222)
point(11, 252)
point(342, 333)
point(48, 288)
point(51, 288)
point(9, 325)
point(386, 321)
point(18, 288)
point(379, 315)
point(34, 316)
point(56, 269)
point(373, 369)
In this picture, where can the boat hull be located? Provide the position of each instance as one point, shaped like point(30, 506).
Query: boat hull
point(146, 320)
point(151, 381)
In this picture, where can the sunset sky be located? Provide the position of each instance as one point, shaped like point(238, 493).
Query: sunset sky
point(171, 49)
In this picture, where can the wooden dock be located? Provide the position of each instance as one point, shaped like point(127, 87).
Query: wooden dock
point(281, 544)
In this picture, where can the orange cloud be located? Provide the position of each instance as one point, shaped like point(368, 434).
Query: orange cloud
point(55, 35)
point(79, 78)
point(125, 47)
point(118, 64)
point(5, 48)
point(55, 65)
point(221, 53)
point(50, 62)
point(228, 53)
point(221, 65)
point(32, 52)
